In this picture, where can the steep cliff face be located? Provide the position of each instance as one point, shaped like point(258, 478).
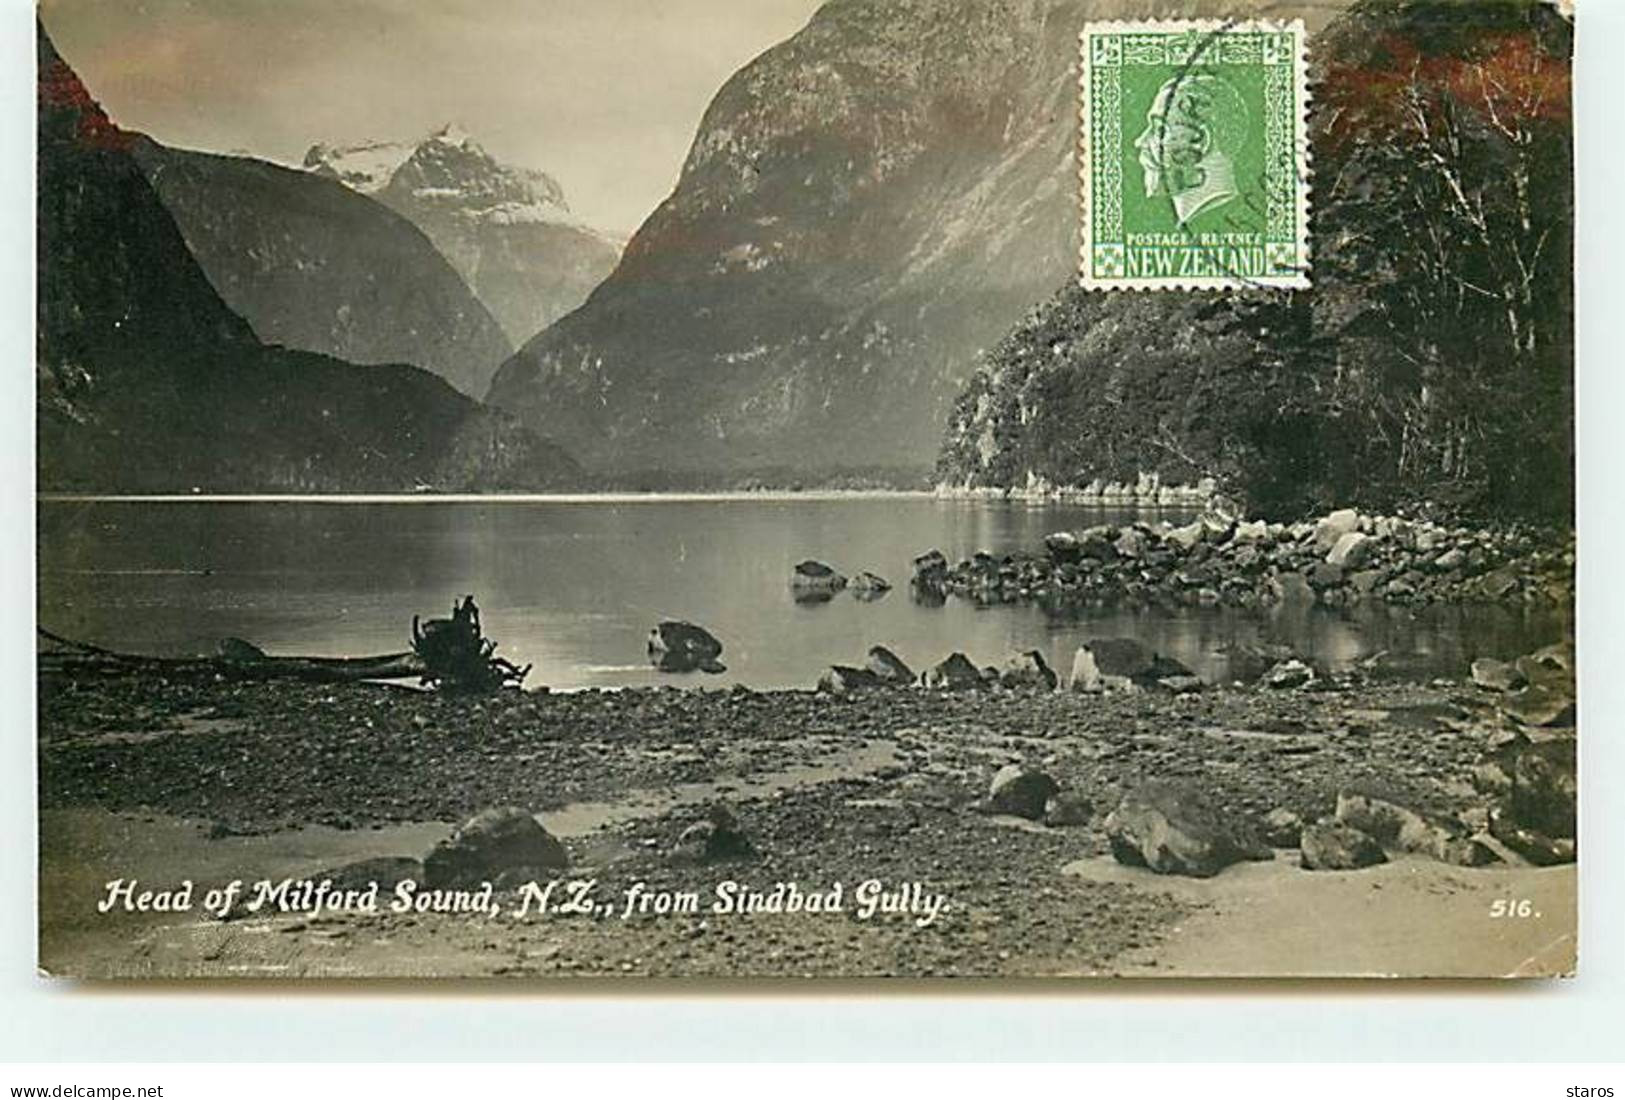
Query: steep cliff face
point(508, 231)
point(863, 209)
point(149, 382)
point(313, 266)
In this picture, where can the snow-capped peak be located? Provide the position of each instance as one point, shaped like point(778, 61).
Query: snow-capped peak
point(446, 168)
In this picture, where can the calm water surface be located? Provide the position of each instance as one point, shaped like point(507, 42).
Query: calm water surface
point(574, 587)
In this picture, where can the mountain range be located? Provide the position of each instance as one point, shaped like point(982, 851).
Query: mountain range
point(148, 381)
point(865, 208)
point(508, 231)
point(313, 266)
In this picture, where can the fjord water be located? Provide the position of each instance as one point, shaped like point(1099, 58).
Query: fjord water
point(574, 585)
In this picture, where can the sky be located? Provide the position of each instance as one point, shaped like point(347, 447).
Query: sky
point(604, 95)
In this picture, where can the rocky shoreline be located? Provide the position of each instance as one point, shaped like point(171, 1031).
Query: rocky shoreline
point(1339, 559)
point(981, 794)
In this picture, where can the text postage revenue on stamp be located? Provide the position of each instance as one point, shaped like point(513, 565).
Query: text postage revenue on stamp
point(1193, 155)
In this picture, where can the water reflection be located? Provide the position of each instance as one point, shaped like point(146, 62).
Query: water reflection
point(575, 587)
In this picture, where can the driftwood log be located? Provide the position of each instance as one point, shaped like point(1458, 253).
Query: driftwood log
point(241, 662)
point(452, 655)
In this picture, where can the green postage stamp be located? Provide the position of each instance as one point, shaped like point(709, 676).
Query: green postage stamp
point(1193, 158)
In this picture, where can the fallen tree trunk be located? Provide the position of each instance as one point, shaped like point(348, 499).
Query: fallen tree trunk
point(69, 657)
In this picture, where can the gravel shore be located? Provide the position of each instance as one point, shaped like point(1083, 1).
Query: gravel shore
point(884, 786)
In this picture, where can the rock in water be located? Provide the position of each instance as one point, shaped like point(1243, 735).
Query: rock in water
point(1028, 671)
point(1172, 829)
point(676, 646)
point(1329, 845)
point(1109, 663)
point(870, 586)
point(815, 576)
point(846, 680)
point(930, 569)
point(1023, 792)
point(1063, 547)
point(1407, 829)
point(504, 839)
point(953, 673)
point(889, 667)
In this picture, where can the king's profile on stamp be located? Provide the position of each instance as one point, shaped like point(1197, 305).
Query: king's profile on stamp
point(1192, 161)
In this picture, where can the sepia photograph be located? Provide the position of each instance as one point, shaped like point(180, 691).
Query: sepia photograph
point(805, 489)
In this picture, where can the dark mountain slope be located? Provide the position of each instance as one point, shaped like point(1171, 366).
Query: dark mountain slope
point(865, 208)
point(314, 266)
point(148, 382)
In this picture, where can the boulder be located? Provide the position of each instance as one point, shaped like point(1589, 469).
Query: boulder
point(815, 576)
point(1406, 829)
point(1282, 828)
point(1450, 561)
point(1067, 808)
point(1098, 544)
point(676, 646)
point(953, 673)
point(1064, 547)
point(1333, 527)
point(870, 586)
point(1130, 543)
point(1288, 674)
point(1539, 705)
point(492, 842)
point(1185, 538)
point(1535, 846)
point(1028, 671)
point(1023, 792)
point(1494, 675)
point(1545, 787)
point(1351, 551)
point(718, 836)
point(1170, 828)
point(1120, 658)
point(1086, 675)
point(888, 666)
point(1549, 668)
point(846, 680)
point(1334, 846)
point(930, 569)
point(1257, 531)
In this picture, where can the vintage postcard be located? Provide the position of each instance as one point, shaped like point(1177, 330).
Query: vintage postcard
point(806, 489)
